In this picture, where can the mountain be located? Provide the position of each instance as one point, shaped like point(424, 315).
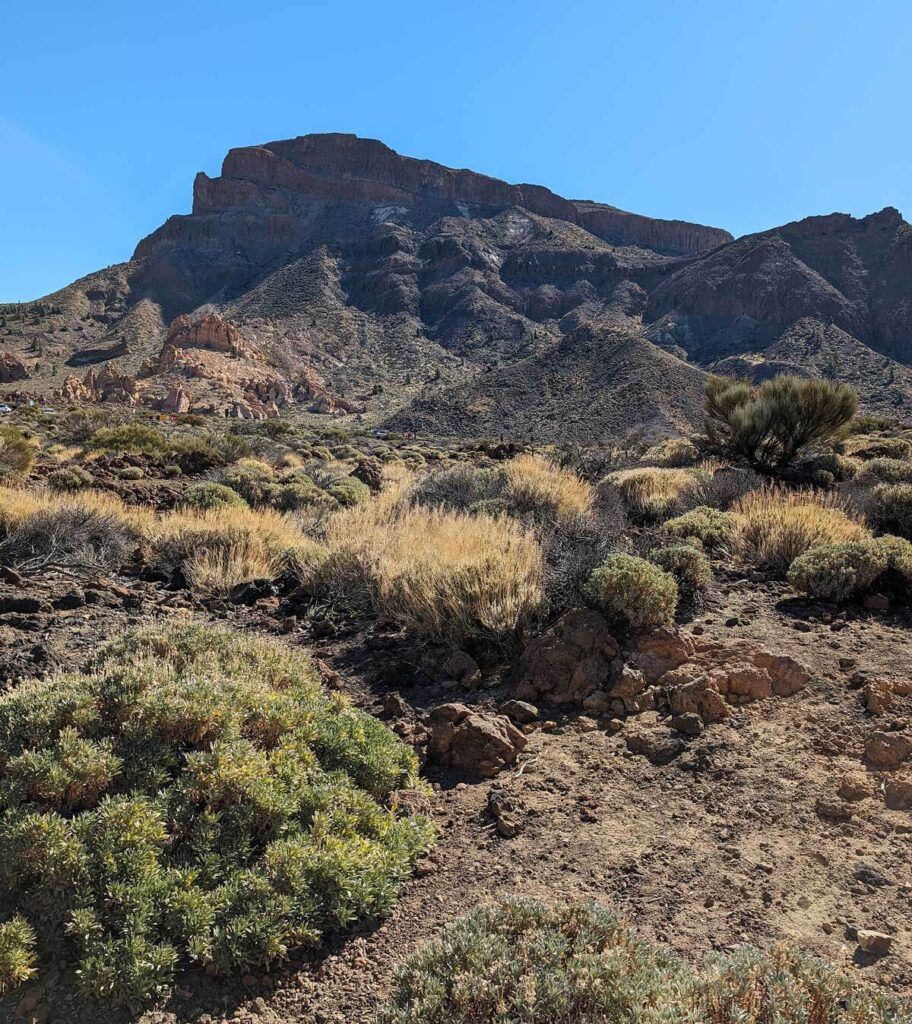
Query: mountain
point(331, 271)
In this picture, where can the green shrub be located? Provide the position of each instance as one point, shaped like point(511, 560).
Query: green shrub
point(689, 566)
point(708, 525)
point(196, 797)
point(130, 437)
point(770, 426)
point(632, 593)
point(17, 456)
point(885, 471)
point(300, 492)
point(838, 572)
point(518, 961)
point(320, 451)
point(253, 480)
point(131, 473)
point(880, 448)
point(346, 452)
point(207, 494)
point(348, 491)
point(17, 953)
point(893, 509)
point(70, 478)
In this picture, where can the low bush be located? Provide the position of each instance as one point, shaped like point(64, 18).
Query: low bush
point(893, 509)
point(772, 527)
point(207, 495)
point(866, 447)
point(884, 471)
point(651, 494)
point(673, 453)
point(537, 488)
point(517, 960)
point(708, 525)
point(253, 480)
point(348, 491)
point(445, 575)
point(17, 953)
point(17, 455)
point(839, 572)
point(131, 473)
point(130, 437)
point(195, 797)
point(633, 594)
point(70, 478)
point(689, 566)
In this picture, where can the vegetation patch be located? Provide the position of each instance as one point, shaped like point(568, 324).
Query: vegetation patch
point(633, 594)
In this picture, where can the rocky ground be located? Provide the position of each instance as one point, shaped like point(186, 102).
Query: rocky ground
point(781, 821)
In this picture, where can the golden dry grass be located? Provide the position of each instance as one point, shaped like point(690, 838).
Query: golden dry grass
point(653, 493)
point(772, 527)
point(441, 574)
point(17, 505)
point(540, 485)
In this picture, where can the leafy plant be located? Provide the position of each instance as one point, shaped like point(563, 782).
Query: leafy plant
point(838, 572)
point(707, 525)
point(208, 495)
point(633, 594)
point(689, 566)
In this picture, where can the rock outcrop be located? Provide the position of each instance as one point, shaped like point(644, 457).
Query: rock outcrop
point(12, 368)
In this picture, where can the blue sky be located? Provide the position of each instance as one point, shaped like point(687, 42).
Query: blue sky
point(741, 115)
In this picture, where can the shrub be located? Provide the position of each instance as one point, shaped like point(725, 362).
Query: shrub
point(770, 426)
point(517, 960)
point(864, 447)
point(893, 508)
point(131, 473)
point(130, 437)
point(349, 492)
point(707, 525)
point(838, 572)
point(208, 495)
point(253, 480)
point(673, 453)
point(772, 527)
point(457, 488)
point(17, 456)
point(301, 492)
point(545, 492)
point(196, 797)
point(652, 495)
point(884, 471)
point(17, 953)
point(689, 566)
point(70, 478)
point(445, 575)
point(633, 594)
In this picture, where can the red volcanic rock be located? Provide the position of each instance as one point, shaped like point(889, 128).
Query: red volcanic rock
point(210, 332)
point(11, 368)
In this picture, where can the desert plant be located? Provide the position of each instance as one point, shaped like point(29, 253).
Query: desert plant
point(838, 572)
point(770, 426)
point(131, 473)
point(196, 796)
point(17, 953)
point(17, 455)
point(457, 488)
point(707, 525)
point(673, 453)
point(545, 492)
point(884, 471)
point(348, 491)
point(653, 494)
point(893, 508)
point(866, 447)
point(70, 478)
point(689, 566)
point(633, 594)
point(130, 437)
point(253, 480)
point(207, 495)
point(772, 527)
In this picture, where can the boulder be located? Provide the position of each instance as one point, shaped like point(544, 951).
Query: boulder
point(463, 668)
point(898, 793)
point(569, 662)
point(473, 742)
point(698, 696)
point(12, 368)
point(659, 652)
point(887, 749)
point(787, 675)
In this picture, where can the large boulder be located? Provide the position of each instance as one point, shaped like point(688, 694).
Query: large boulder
point(659, 652)
point(569, 663)
point(12, 368)
point(473, 742)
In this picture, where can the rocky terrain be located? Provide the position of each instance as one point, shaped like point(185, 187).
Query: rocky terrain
point(330, 272)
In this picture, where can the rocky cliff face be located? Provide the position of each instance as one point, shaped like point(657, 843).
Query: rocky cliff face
point(330, 271)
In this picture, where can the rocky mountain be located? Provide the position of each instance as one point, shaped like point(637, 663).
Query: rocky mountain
point(329, 270)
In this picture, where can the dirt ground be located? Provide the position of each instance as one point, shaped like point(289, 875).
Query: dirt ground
point(723, 845)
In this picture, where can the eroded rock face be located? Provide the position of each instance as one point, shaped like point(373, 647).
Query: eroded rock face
point(473, 742)
point(209, 331)
point(12, 368)
point(569, 663)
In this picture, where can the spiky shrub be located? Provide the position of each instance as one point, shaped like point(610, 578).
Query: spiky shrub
point(884, 471)
point(131, 473)
point(770, 426)
point(772, 527)
point(17, 953)
point(652, 494)
point(689, 566)
point(253, 480)
point(17, 455)
point(893, 508)
point(207, 495)
point(517, 960)
point(633, 594)
point(130, 437)
point(195, 797)
point(839, 572)
point(707, 525)
point(444, 575)
point(457, 488)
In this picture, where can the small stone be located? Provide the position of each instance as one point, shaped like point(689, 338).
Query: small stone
point(898, 793)
point(425, 867)
point(733, 621)
point(690, 724)
point(519, 711)
point(249, 981)
point(875, 943)
point(585, 724)
point(876, 602)
point(833, 810)
point(855, 786)
point(802, 627)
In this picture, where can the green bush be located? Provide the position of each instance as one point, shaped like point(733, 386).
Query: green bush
point(838, 572)
point(17, 953)
point(689, 566)
point(518, 961)
point(632, 593)
point(195, 797)
point(17, 456)
point(70, 478)
point(708, 525)
point(880, 448)
point(893, 509)
point(131, 473)
point(254, 481)
point(885, 471)
point(130, 437)
point(207, 494)
point(348, 491)
point(300, 492)
point(770, 426)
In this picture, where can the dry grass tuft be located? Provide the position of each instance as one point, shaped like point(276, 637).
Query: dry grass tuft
point(540, 486)
point(653, 494)
point(771, 527)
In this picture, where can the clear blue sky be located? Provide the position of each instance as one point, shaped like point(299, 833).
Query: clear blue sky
point(741, 115)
